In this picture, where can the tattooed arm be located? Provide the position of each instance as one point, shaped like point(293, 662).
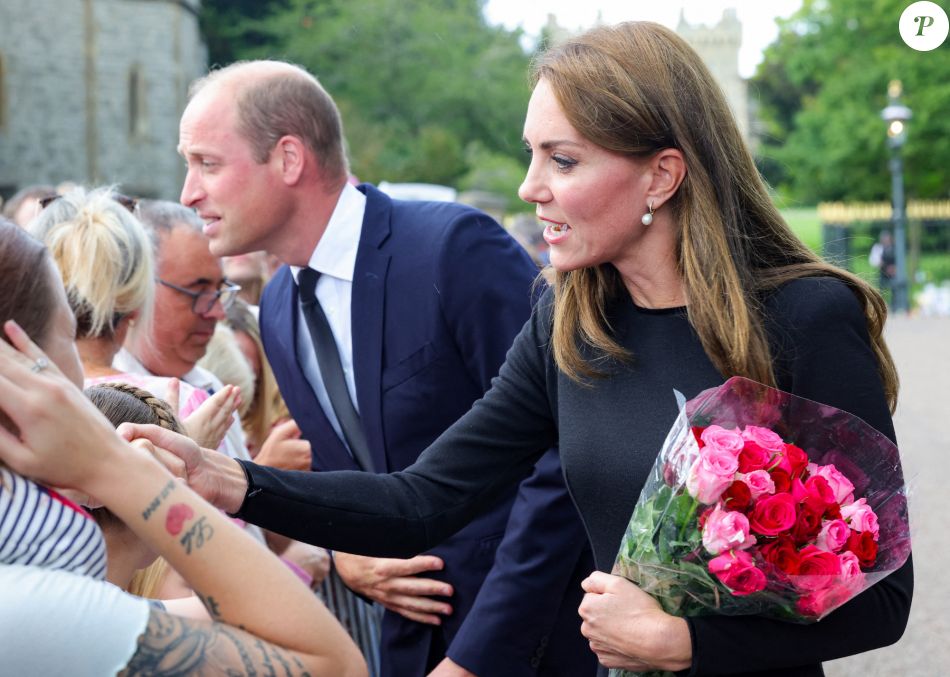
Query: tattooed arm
point(172, 645)
point(65, 441)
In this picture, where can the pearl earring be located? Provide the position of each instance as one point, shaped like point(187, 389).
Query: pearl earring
point(647, 218)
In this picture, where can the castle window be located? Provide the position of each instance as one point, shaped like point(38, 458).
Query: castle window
point(137, 116)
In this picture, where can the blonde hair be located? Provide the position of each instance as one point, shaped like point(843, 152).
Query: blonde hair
point(148, 581)
point(267, 406)
point(104, 255)
point(224, 359)
point(636, 88)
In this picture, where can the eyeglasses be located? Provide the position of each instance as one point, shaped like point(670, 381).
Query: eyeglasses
point(129, 203)
point(203, 301)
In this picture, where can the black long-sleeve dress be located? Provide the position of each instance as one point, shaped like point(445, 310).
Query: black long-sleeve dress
point(609, 433)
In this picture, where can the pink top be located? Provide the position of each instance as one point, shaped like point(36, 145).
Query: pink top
point(189, 397)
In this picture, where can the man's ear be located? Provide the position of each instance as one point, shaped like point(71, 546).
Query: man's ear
point(669, 169)
point(290, 158)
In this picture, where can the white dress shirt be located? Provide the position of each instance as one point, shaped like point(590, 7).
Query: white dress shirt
point(335, 259)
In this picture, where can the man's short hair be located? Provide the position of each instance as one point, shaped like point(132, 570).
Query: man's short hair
point(287, 100)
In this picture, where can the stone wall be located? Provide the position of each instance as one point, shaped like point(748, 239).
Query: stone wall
point(76, 73)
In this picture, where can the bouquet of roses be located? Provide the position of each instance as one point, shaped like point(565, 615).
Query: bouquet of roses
point(761, 502)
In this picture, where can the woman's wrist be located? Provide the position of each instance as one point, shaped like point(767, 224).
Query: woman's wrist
point(673, 649)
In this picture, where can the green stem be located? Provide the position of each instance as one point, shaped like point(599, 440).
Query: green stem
point(689, 518)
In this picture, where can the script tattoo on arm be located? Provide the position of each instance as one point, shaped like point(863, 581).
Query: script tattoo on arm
point(174, 646)
point(157, 501)
point(197, 535)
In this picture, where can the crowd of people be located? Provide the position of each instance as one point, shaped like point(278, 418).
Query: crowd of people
point(331, 374)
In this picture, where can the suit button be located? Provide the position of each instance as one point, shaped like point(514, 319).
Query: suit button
point(535, 662)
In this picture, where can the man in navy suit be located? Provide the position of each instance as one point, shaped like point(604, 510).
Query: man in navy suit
point(412, 307)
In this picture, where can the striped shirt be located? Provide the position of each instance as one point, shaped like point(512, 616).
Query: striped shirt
point(39, 527)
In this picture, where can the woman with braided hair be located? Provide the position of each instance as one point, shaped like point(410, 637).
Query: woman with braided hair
point(133, 566)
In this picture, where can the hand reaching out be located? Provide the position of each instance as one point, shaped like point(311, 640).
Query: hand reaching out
point(394, 584)
point(284, 449)
point(209, 423)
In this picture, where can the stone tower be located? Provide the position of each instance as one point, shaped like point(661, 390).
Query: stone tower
point(91, 91)
point(719, 48)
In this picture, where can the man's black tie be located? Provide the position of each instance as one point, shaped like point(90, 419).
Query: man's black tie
point(331, 369)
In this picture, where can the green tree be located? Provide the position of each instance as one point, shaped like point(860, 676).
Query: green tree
point(417, 81)
point(822, 85)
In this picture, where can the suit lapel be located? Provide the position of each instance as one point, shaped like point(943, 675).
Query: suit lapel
point(329, 451)
point(368, 308)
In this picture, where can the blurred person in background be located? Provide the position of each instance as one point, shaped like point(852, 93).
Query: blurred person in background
point(25, 203)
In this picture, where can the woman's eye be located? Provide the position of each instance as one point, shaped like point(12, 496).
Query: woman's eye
point(563, 163)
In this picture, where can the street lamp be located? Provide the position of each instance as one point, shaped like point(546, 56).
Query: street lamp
point(896, 115)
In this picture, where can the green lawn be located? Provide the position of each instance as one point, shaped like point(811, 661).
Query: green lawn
point(932, 266)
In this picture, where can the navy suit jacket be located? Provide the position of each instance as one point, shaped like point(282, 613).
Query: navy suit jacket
point(439, 293)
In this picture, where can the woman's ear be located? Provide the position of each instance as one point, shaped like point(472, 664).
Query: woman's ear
point(669, 170)
point(123, 325)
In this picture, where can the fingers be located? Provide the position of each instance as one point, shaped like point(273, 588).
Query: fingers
point(390, 568)
point(596, 583)
point(428, 619)
point(420, 609)
point(184, 448)
point(173, 394)
point(285, 431)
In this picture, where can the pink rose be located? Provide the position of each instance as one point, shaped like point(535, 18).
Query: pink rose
point(725, 440)
point(712, 473)
point(815, 491)
point(851, 572)
point(763, 438)
point(759, 483)
point(736, 570)
point(725, 530)
point(818, 569)
point(841, 486)
point(860, 517)
point(773, 514)
point(833, 535)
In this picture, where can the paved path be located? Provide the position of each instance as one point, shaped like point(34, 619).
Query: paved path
point(921, 348)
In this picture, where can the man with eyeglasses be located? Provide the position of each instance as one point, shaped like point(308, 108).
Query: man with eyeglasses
point(191, 295)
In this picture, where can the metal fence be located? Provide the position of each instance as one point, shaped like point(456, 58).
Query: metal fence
point(360, 619)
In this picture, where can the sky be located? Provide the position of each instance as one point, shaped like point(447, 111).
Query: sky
point(757, 17)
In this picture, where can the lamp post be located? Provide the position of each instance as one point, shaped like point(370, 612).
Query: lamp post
point(896, 115)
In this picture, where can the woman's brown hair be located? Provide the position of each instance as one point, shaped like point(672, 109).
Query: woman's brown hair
point(29, 296)
point(636, 88)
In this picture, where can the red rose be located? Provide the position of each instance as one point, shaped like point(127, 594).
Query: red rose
point(819, 490)
point(697, 433)
point(772, 515)
point(737, 497)
point(817, 569)
point(864, 547)
point(782, 554)
point(833, 512)
point(753, 457)
point(782, 480)
point(797, 459)
point(738, 572)
point(807, 523)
